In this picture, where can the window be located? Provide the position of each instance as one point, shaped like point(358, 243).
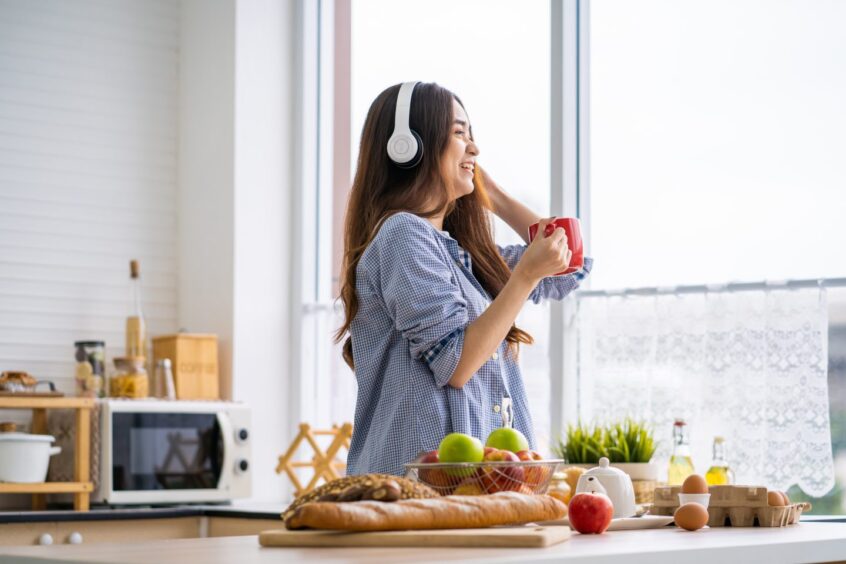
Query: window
point(715, 155)
point(495, 55)
point(716, 141)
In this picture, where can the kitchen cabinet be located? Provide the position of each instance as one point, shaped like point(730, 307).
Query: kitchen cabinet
point(234, 526)
point(25, 534)
point(131, 530)
point(123, 530)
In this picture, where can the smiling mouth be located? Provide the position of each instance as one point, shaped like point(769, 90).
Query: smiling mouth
point(467, 167)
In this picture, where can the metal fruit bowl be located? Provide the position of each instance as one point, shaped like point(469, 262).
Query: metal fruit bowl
point(480, 478)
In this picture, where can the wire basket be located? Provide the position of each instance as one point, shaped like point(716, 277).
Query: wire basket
point(480, 478)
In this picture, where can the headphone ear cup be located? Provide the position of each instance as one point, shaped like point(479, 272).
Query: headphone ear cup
point(418, 156)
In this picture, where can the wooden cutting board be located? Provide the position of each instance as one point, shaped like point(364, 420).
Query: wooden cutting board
point(519, 537)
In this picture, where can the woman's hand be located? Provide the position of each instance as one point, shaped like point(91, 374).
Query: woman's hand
point(546, 255)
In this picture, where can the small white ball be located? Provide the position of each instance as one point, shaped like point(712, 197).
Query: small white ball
point(46, 539)
point(75, 538)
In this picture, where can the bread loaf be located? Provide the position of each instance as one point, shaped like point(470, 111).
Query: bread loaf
point(451, 512)
point(362, 485)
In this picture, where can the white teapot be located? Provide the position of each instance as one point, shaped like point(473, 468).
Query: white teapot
point(613, 482)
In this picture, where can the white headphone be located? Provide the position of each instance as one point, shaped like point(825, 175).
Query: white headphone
point(405, 148)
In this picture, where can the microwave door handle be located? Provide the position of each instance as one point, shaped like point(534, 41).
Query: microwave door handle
point(228, 448)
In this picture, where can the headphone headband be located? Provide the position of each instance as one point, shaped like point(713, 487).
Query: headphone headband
point(405, 148)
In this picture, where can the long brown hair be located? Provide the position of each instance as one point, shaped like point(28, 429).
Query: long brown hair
point(381, 189)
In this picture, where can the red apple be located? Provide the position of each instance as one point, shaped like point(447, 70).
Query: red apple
point(435, 477)
point(590, 512)
point(534, 475)
point(501, 478)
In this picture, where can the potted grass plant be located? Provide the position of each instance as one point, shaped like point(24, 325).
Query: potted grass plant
point(628, 444)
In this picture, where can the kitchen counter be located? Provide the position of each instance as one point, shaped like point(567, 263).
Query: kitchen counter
point(804, 542)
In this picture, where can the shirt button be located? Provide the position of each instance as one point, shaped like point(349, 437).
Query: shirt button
point(496, 408)
point(495, 356)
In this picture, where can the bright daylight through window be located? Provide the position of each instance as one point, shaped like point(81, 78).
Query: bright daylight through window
point(471, 52)
point(717, 156)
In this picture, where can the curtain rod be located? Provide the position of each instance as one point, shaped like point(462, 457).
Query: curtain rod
point(718, 288)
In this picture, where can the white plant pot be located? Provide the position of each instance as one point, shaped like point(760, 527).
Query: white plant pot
point(639, 470)
point(24, 458)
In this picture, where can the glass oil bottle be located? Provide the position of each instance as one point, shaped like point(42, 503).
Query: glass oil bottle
point(719, 474)
point(681, 463)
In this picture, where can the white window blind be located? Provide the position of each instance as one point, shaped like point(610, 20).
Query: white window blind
point(88, 141)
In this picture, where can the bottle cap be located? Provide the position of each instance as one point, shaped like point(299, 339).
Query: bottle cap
point(89, 343)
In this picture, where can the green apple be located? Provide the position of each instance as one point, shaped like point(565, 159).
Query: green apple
point(508, 438)
point(458, 447)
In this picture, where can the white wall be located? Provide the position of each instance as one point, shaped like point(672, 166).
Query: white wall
point(157, 130)
point(88, 178)
point(88, 152)
point(206, 172)
point(235, 193)
point(263, 164)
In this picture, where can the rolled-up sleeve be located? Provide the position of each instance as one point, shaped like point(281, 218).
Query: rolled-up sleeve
point(421, 294)
point(551, 287)
point(512, 254)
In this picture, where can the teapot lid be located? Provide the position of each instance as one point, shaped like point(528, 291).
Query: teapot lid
point(605, 469)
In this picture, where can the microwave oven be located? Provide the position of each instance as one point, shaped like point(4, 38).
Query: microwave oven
point(162, 452)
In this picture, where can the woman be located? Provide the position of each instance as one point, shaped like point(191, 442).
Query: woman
point(430, 300)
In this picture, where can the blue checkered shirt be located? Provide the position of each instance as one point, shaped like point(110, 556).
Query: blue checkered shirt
point(417, 294)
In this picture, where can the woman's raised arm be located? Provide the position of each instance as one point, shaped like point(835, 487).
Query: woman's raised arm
point(517, 215)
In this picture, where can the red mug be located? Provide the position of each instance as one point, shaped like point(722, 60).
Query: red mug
point(570, 225)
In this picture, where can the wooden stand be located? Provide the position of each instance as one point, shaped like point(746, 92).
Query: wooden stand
point(324, 463)
point(81, 487)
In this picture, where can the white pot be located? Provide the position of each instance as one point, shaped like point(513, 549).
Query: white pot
point(639, 470)
point(24, 458)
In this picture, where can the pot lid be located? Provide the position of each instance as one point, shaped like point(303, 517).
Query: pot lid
point(25, 438)
point(605, 469)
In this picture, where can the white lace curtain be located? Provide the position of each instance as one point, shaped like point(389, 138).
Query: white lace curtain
point(747, 365)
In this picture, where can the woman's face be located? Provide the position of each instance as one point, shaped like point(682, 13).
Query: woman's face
point(459, 158)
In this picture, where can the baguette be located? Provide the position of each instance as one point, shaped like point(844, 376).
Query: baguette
point(451, 512)
point(363, 484)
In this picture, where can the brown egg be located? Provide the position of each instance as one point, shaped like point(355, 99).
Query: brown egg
point(786, 499)
point(691, 516)
point(695, 484)
point(775, 499)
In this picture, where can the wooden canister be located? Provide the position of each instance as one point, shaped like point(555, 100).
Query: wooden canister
point(193, 358)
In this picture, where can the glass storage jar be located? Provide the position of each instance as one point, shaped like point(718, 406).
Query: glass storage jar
point(130, 378)
point(90, 368)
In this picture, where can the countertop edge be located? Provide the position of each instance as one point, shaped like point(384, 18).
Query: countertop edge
point(133, 513)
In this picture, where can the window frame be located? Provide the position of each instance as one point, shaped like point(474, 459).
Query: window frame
point(322, 86)
point(570, 188)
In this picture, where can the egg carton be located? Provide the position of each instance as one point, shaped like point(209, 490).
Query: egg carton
point(737, 506)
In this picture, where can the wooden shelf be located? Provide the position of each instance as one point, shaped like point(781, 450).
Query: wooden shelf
point(46, 487)
point(46, 403)
point(82, 487)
